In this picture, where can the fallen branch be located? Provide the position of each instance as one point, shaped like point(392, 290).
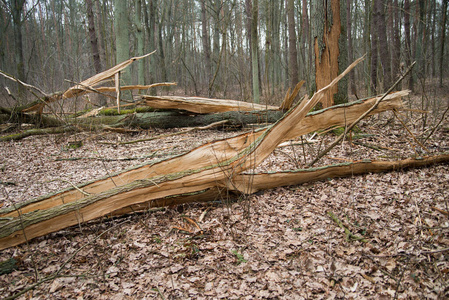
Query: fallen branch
point(42, 131)
point(263, 181)
point(201, 105)
point(348, 233)
point(215, 124)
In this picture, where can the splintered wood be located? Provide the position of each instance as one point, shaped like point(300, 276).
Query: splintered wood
point(201, 174)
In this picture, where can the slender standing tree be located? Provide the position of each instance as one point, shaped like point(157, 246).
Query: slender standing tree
point(206, 44)
point(255, 51)
point(293, 53)
point(94, 44)
point(17, 13)
point(93, 36)
point(396, 53)
point(122, 36)
point(443, 37)
point(140, 42)
point(350, 54)
point(420, 69)
point(384, 53)
point(408, 43)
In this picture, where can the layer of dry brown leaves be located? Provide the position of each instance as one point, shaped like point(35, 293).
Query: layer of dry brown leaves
point(279, 243)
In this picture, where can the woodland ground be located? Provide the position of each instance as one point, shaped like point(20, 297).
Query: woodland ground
point(279, 243)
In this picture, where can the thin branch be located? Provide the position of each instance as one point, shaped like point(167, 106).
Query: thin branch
point(438, 125)
point(411, 134)
point(28, 86)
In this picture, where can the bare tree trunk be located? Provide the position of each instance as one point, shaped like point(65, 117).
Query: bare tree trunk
point(150, 25)
point(255, 51)
point(140, 42)
point(350, 52)
point(161, 50)
point(206, 45)
point(367, 44)
point(330, 48)
point(420, 41)
point(379, 10)
point(122, 36)
point(94, 44)
point(442, 40)
point(408, 42)
point(293, 53)
point(374, 51)
point(432, 17)
point(93, 37)
point(17, 10)
point(307, 43)
point(397, 43)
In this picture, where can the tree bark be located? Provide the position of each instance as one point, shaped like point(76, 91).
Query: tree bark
point(374, 50)
point(206, 45)
point(396, 57)
point(330, 48)
point(17, 11)
point(293, 53)
point(140, 42)
point(350, 51)
point(94, 44)
point(384, 53)
point(122, 36)
point(93, 37)
point(420, 40)
point(408, 43)
point(442, 40)
point(255, 51)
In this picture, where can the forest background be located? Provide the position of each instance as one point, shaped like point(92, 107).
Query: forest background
point(210, 47)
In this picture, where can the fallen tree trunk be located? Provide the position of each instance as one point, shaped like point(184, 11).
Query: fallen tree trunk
point(201, 105)
point(294, 177)
point(252, 183)
point(211, 166)
point(176, 119)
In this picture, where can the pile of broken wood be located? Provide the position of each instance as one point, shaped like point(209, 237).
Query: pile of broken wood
point(202, 174)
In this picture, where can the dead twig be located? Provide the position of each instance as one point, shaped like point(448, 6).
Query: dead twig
point(440, 210)
point(73, 185)
point(438, 125)
point(408, 130)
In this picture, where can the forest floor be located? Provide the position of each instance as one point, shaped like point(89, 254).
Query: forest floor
point(278, 243)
